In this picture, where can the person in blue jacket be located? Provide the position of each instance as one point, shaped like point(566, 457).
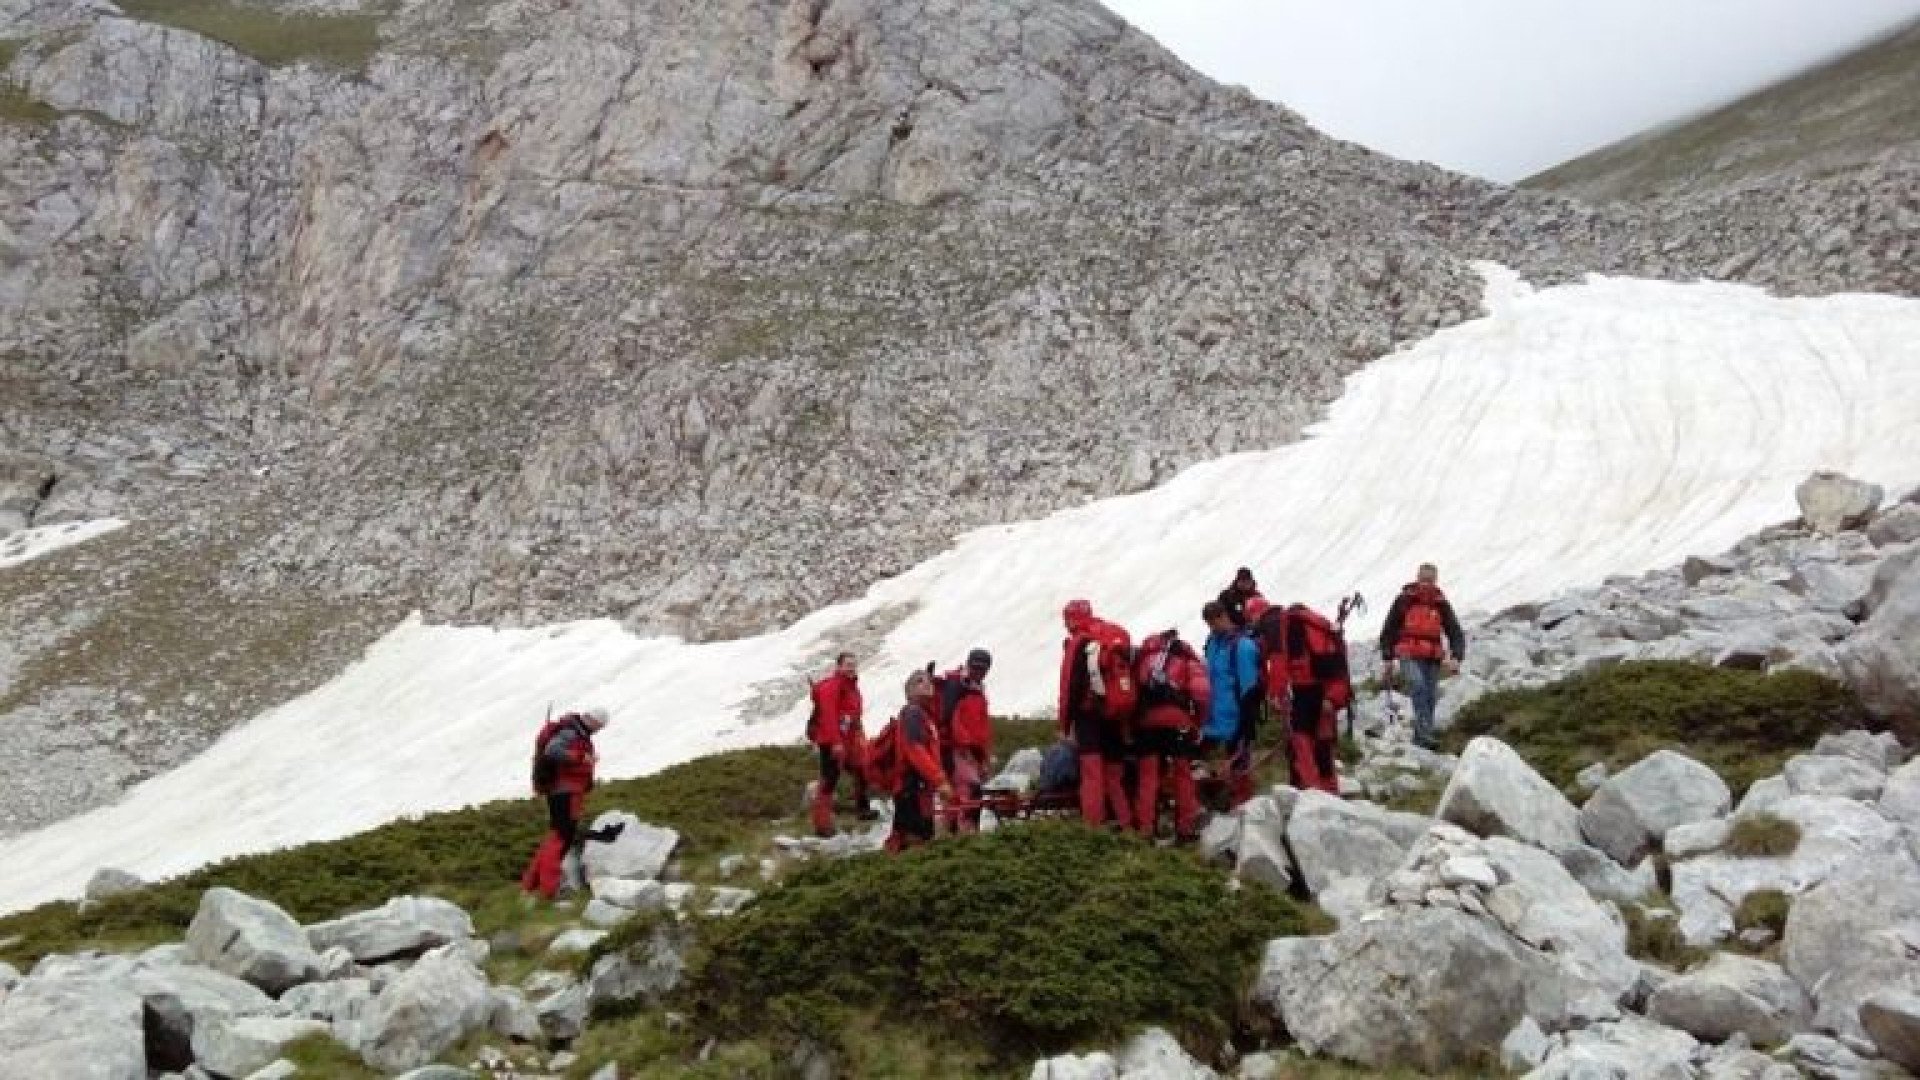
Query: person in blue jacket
point(1233, 672)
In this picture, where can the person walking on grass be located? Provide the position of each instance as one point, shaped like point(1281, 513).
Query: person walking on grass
point(1419, 640)
point(563, 766)
point(913, 747)
point(834, 729)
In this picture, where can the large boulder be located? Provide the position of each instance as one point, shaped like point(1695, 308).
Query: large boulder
point(1431, 988)
point(1856, 935)
point(1260, 853)
point(1332, 838)
point(1629, 1048)
point(1881, 661)
point(1634, 808)
point(251, 939)
point(1708, 889)
point(639, 852)
point(1541, 904)
point(1608, 880)
point(1831, 502)
point(1898, 525)
point(1878, 749)
point(75, 1029)
point(649, 971)
point(1841, 777)
point(1493, 792)
point(1730, 994)
point(426, 1009)
point(239, 1046)
point(1892, 1020)
point(180, 999)
point(340, 1004)
point(404, 926)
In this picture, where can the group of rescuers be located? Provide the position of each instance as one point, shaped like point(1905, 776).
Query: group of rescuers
point(1130, 716)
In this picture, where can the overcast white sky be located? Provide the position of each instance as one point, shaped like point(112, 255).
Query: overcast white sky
point(1504, 88)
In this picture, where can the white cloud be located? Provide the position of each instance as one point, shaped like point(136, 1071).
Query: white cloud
point(1505, 88)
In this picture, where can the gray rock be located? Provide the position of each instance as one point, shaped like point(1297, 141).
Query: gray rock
point(1262, 853)
point(629, 894)
point(1892, 1020)
point(1592, 776)
point(1525, 1047)
point(1430, 988)
point(1220, 838)
point(239, 1046)
point(1829, 1059)
point(78, 1028)
point(1881, 662)
point(1330, 838)
point(340, 1004)
point(724, 901)
point(1896, 525)
point(1095, 1066)
point(431, 1006)
point(563, 1013)
point(1737, 1061)
point(251, 939)
point(1155, 1055)
point(604, 915)
point(1347, 900)
point(1828, 586)
point(513, 1017)
point(180, 999)
point(1845, 941)
point(1732, 994)
point(1468, 870)
point(1696, 838)
point(650, 970)
point(337, 964)
point(1900, 799)
point(1878, 750)
point(641, 851)
point(1539, 903)
point(1697, 569)
point(403, 926)
point(1606, 879)
point(580, 939)
point(1763, 796)
point(278, 1069)
point(1830, 502)
point(1627, 1047)
point(1258, 1067)
point(436, 1072)
point(108, 881)
point(1493, 792)
point(1841, 777)
point(1633, 809)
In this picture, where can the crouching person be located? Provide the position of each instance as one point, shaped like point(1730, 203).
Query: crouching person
point(907, 753)
point(1173, 700)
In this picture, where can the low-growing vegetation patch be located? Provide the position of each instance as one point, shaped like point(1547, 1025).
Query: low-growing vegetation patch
point(1653, 934)
point(1035, 937)
point(344, 40)
point(1766, 908)
point(1762, 836)
point(1742, 724)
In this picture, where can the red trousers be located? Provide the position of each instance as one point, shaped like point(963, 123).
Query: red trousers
point(546, 871)
point(1168, 748)
point(1311, 740)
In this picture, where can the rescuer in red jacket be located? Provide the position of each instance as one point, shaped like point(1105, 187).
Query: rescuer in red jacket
point(835, 731)
point(1093, 656)
point(966, 733)
point(920, 777)
point(1173, 698)
point(563, 764)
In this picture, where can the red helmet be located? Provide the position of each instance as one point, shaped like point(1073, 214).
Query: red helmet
point(1077, 613)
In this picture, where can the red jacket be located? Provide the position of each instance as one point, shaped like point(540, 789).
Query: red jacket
point(1076, 679)
point(964, 720)
point(1181, 701)
point(567, 746)
point(919, 741)
point(836, 710)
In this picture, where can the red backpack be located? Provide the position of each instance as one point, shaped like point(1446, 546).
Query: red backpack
point(1316, 654)
point(1116, 669)
point(883, 757)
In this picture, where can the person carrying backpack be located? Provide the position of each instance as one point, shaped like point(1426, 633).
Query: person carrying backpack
point(1420, 637)
point(1312, 675)
point(563, 765)
point(907, 759)
point(1238, 594)
point(1173, 699)
point(1233, 711)
point(966, 733)
point(835, 731)
point(1096, 709)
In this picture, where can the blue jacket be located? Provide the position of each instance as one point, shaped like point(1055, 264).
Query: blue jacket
point(1224, 656)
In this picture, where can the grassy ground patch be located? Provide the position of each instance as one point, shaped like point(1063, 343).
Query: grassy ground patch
point(1034, 937)
point(1765, 908)
point(1743, 724)
point(1762, 836)
point(345, 41)
point(1653, 934)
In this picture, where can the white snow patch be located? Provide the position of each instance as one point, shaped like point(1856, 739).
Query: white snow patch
point(1608, 427)
point(23, 544)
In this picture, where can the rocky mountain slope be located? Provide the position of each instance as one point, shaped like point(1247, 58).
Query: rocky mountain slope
point(695, 315)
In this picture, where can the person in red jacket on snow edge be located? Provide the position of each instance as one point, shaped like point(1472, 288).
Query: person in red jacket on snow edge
point(1173, 699)
point(966, 733)
point(563, 764)
point(835, 731)
point(1096, 693)
point(917, 742)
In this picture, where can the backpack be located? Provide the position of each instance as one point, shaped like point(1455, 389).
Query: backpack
point(545, 769)
point(1158, 683)
point(1422, 627)
point(1116, 669)
point(1317, 654)
point(883, 757)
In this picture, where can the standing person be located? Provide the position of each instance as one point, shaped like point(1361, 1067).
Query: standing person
point(1420, 637)
point(1235, 596)
point(834, 729)
point(966, 733)
point(563, 764)
point(1096, 698)
point(1233, 712)
point(916, 741)
point(1173, 701)
point(1313, 675)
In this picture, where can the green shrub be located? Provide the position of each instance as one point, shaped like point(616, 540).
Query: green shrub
point(1768, 908)
point(346, 40)
point(1036, 937)
point(1653, 934)
point(1743, 724)
point(1762, 836)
